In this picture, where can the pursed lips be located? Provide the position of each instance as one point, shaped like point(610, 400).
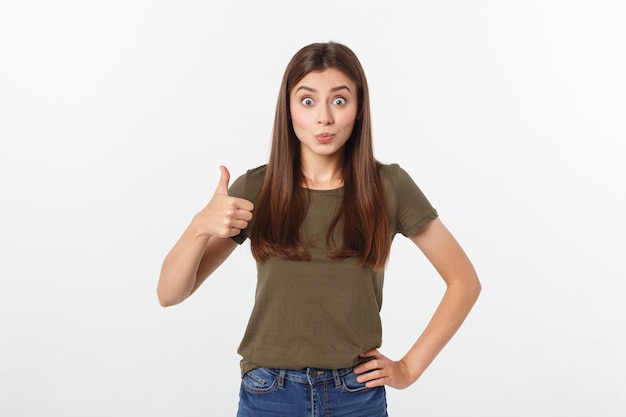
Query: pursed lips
point(324, 137)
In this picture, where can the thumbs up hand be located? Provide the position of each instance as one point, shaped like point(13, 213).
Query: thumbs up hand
point(224, 216)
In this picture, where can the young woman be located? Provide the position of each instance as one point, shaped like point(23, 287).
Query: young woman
point(321, 216)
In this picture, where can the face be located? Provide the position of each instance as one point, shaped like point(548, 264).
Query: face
point(323, 109)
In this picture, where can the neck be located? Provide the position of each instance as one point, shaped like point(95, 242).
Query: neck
point(323, 172)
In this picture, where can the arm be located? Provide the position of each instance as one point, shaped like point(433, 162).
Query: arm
point(204, 245)
point(463, 288)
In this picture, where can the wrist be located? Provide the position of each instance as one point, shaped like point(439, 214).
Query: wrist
point(196, 230)
point(410, 370)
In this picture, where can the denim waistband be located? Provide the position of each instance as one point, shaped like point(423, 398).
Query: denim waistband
point(309, 375)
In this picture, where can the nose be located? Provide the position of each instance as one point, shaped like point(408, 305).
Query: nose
point(324, 116)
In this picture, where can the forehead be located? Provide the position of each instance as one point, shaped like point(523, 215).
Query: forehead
point(326, 80)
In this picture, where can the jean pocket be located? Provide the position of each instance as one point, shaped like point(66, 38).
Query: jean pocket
point(350, 384)
point(259, 381)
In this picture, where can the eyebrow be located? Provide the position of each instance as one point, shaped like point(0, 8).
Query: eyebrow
point(332, 90)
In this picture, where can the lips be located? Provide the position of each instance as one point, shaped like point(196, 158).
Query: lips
point(324, 137)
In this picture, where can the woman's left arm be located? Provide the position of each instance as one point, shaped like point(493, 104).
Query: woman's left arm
point(463, 288)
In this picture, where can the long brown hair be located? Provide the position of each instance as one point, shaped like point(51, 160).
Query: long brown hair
point(282, 202)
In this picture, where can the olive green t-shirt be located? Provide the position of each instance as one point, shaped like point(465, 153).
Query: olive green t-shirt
point(322, 313)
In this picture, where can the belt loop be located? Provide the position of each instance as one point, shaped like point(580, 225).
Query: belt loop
point(336, 378)
point(281, 378)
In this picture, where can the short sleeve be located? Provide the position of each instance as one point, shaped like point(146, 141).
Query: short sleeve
point(238, 189)
point(412, 209)
point(247, 186)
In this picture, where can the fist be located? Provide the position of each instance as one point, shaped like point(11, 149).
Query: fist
point(224, 216)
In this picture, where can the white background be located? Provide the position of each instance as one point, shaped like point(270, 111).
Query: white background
point(114, 118)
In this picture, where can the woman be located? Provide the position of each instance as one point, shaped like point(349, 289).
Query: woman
point(321, 216)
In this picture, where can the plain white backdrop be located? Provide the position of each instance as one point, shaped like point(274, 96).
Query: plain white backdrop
point(114, 118)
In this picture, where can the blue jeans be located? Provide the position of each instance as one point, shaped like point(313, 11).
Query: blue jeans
point(267, 392)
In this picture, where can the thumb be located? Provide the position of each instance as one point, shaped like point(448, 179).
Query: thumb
point(222, 186)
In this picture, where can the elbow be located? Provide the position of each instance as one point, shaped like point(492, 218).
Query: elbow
point(469, 288)
point(169, 292)
point(476, 288)
point(166, 300)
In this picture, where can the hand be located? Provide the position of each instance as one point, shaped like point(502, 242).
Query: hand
point(381, 370)
point(224, 216)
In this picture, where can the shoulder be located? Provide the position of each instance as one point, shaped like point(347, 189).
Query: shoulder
point(249, 184)
point(388, 169)
point(256, 174)
point(392, 175)
point(409, 209)
point(397, 181)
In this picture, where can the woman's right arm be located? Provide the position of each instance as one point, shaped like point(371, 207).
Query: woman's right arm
point(204, 245)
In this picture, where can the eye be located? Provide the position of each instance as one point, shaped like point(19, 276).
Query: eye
point(307, 101)
point(339, 101)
